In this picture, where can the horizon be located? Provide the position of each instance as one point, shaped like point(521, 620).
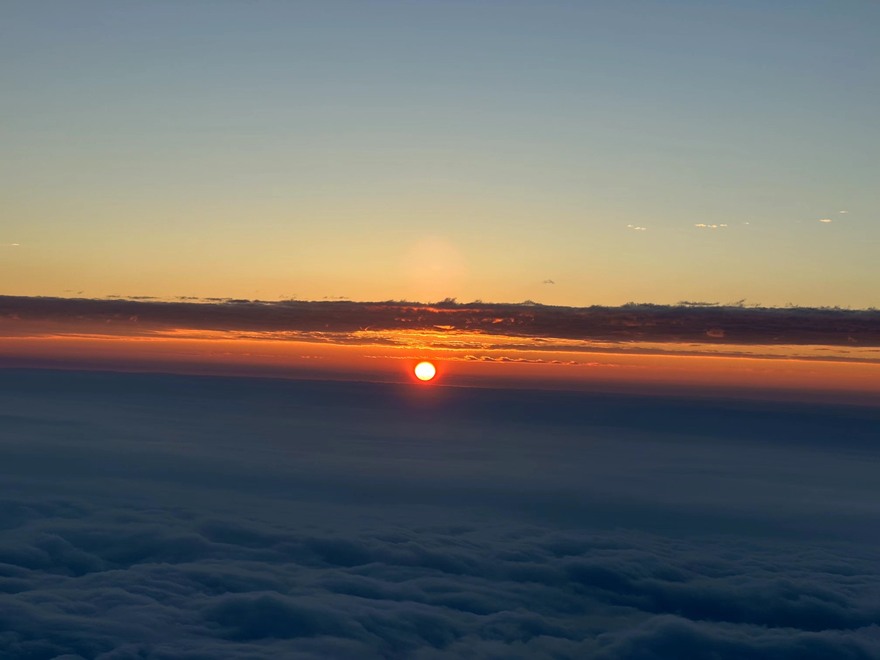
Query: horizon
point(741, 303)
point(818, 354)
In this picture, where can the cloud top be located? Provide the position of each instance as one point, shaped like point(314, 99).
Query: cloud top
point(176, 517)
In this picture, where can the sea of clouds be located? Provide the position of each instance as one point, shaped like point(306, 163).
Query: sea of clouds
point(148, 516)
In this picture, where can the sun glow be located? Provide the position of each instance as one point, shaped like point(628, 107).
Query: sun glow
point(425, 371)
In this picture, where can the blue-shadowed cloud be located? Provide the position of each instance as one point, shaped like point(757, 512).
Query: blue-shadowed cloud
point(182, 517)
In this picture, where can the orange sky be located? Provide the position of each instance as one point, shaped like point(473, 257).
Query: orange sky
point(633, 371)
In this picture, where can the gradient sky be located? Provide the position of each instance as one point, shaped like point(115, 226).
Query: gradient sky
point(422, 150)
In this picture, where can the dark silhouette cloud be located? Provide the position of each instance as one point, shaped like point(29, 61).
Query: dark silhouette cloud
point(185, 517)
point(334, 320)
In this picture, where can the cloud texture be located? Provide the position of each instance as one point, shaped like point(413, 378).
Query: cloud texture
point(183, 517)
point(321, 320)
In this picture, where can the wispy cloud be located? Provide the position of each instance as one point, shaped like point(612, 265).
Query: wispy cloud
point(636, 228)
point(825, 220)
point(548, 281)
point(703, 225)
point(506, 358)
point(843, 212)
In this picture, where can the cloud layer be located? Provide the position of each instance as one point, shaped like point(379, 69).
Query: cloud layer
point(182, 517)
point(690, 322)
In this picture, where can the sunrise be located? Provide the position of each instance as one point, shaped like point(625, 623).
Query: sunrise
point(463, 329)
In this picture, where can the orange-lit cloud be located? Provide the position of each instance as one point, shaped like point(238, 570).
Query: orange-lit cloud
point(336, 321)
point(691, 346)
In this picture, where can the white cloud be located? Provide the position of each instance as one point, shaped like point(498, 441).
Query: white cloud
point(703, 225)
point(826, 220)
point(637, 228)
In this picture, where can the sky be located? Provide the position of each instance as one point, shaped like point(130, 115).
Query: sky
point(571, 153)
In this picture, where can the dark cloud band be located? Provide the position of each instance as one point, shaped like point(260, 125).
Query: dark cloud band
point(645, 323)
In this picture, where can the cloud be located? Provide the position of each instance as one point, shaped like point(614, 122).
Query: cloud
point(501, 358)
point(504, 358)
point(637, 228)
point(173, 517)
point(548, 281)
point(826, 220)
point(360, 322)
point(705, 226)
point(671, 636)
point(843, 212)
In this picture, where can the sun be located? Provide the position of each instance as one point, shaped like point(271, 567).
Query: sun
point(425, 371)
